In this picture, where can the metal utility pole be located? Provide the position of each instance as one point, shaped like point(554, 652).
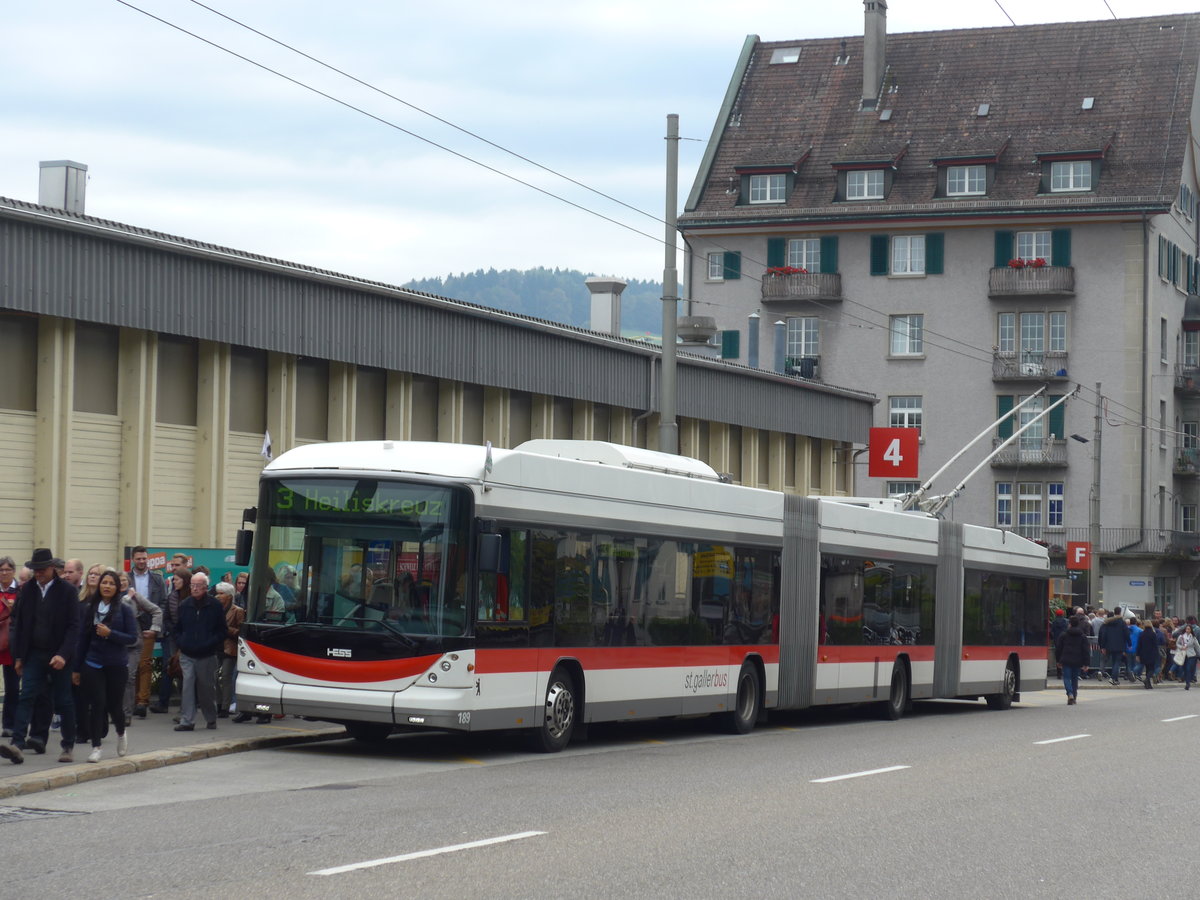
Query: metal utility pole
point(1094, 510)
point(668, 428)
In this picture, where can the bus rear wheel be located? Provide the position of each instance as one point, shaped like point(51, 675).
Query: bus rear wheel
point(369, 732)
point(741, 719)
point(897, 701)
point(558, 716)
point(1008, 690)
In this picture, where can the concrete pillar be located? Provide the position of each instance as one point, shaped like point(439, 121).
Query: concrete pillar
point(343, 383)
point(777, 456)
point(138, 394)
point(718, 446)
point(397, 425)
point(55, 406)
point(542, 421)
point(620, 426)
point(281, 401)
point(496, 423)
point(689, 438)
point(450, 411)
point(212, 441)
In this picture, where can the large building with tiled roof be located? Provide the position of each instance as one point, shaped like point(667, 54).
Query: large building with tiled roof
point(952, 220)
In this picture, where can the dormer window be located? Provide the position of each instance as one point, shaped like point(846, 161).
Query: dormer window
point(864, 184)
point(1072, 171)
point(1071, 175)
point(768, 188)
point(964, 181)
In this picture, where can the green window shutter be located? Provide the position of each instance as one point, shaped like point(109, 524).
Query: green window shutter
point(1060, 247)
point(776, 252)
point(829, 260)
point(1057, 418)
point(733, 264)
point(1004, 404)
point(879, 254)
point(934, 253)
point(731, 344)
point(1004, 248)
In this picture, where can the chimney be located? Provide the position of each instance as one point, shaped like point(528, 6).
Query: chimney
point(62, 185)
point(606, 304)
point(874, 50)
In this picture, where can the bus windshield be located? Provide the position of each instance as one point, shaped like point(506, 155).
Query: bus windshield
point(361, 553)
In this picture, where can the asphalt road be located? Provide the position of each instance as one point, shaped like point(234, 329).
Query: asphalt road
point(963, 801)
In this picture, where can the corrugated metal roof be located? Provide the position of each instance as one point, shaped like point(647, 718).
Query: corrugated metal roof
point(78, 267)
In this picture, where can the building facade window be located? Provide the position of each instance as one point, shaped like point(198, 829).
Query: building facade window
point(1164, 594)
point(902, 488)
point(904, 412)
point(1191, 348)
point(724, 266)
point(907, 335)
point(1033, 245)
point(966, 180)
point(864, 185)
point(804, 253)
point(1075, 175)
point(1054, 504)
point(1039, 332)
point(908, 254)
point(1004, 499)
point(768, 188)
point(803, 336)
point(1187, 517)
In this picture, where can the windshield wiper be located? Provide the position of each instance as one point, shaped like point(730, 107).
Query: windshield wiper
point(404, 638)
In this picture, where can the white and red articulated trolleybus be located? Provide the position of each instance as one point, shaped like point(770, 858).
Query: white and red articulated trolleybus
point(441, 586)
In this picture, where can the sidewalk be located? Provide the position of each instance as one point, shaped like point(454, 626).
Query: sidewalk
point(154, 743)
point(1103, 684)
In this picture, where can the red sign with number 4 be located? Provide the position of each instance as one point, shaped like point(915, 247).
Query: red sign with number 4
point(892, 452)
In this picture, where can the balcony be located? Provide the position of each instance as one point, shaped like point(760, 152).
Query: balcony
point(1046, 281)
point(1132, 541)
point(1027, 452)
point(808, 286)
point(1187, 380)
point(1026, 365)
point(1187, 462)
point(803, 366)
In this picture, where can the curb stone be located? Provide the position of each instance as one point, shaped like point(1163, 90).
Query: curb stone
point(81, 773)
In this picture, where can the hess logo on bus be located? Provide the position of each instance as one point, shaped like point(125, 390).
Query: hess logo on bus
point(339, 652)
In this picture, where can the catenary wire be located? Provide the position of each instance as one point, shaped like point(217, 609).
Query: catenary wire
point(390, 124)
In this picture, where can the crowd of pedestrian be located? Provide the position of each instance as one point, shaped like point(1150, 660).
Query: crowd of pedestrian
point(77, 650)
point(1150, 650)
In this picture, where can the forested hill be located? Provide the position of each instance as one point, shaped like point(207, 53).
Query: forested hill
point(559, 295)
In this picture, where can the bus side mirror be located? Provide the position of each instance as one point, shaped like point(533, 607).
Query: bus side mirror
point(488, 552)
point(241, 552)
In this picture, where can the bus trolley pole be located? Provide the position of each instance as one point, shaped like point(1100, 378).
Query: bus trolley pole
point(945, 500)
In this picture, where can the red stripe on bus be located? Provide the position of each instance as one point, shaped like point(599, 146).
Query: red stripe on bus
point(540, 659)
point(884, 652)
point(1001, 653)
point(342, 670)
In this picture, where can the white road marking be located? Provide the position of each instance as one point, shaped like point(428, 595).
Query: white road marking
point(1181, 718)
point(858, 774)
point(420, 854)
point(1073, 737)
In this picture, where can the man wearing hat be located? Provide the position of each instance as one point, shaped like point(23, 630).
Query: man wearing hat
point(43, 634)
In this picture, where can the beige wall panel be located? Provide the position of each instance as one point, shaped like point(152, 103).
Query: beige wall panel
point(94, 494)
point(174, 470)
point(16, 483)
point(243, 464)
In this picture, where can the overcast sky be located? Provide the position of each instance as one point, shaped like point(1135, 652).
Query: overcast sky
point(181, 137)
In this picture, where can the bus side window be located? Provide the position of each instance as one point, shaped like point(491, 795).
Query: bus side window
point(502, 594)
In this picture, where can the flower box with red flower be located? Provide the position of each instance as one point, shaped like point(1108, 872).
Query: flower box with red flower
point(778, 271)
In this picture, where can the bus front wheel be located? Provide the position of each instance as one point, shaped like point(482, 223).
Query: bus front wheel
point(558, 716)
